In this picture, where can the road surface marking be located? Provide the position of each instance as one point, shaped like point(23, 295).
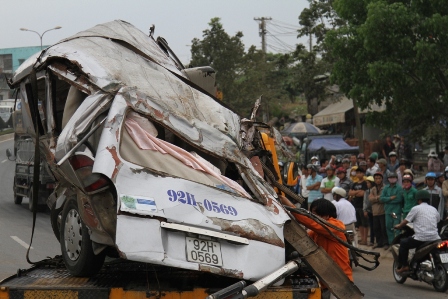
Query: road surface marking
point(17, 239)
point(4, 160)
point(6, 140)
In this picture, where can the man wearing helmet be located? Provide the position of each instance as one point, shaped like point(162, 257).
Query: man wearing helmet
point(392, 197)
point(409, 192)
point(329, 182)
point(393, 162)
point(435, 194)
point(345, 210)
point(344, 182)
point(425, 219)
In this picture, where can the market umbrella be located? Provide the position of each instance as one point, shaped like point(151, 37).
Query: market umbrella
point(301, 129)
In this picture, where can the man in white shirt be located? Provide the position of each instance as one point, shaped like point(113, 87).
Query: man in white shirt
point(425, 218)
point(329, 182)
point(345, 211)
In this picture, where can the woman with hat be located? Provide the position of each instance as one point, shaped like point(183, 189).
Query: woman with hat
point(408, 194)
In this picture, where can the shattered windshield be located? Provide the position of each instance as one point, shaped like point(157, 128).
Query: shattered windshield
point(147, 144)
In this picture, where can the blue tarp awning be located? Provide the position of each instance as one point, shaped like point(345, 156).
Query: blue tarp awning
point(328, 143)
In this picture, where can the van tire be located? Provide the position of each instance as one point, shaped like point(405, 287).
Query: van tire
point(76, 246)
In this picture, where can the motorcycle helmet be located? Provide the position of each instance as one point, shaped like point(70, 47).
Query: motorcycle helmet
point(339, 191)
point(446, 169)
point(431, 175)
point(393, 175)
point(407, 177)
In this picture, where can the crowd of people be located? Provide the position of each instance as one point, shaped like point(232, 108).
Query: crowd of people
point(372, 195)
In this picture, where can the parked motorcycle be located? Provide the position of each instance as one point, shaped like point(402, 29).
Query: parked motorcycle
point(428, 263)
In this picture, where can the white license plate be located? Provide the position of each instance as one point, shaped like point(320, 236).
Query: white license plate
point(444, 257)
point(203, 251)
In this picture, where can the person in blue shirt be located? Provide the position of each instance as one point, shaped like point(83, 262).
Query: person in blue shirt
point(313, 182)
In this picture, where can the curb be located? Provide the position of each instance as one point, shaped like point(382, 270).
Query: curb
point(6, 137)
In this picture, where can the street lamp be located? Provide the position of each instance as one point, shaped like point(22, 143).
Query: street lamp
point(41, 35)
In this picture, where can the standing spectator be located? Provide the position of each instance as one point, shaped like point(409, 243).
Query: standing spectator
point(392, 197)
point(400, 171)
point(353, 160)
point(404, 150)
point(329, 183)
point(353, 176)
point(379, 219)
point(313, 183)
point(363, 165)
point(396, 141)
point(344, 182)
point(388, 147)
point(434, 164)
point(314, 160)
point(383, 169)
point(303, 190)
point(436, 199)
point(445, 156)
point(367, 207)
point(346, 166)
point(371, 166)
point(408, 194)
point(345, 211)
point(393, 162)
point(361, 157)
point(357, 198)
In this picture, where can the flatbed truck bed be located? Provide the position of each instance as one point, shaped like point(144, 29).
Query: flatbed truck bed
point(121, 279)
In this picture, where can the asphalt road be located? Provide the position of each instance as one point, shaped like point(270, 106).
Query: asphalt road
point(380, 283)
point(16, 223)
point(15, 234)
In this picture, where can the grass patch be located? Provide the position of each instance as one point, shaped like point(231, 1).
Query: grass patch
point(8, 131)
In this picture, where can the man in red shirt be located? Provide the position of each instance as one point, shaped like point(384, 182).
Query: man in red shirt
point(327, 211)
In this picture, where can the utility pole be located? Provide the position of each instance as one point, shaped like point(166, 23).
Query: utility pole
point(262, 31)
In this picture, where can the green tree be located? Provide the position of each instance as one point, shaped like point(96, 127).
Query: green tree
point(244, 77)
point(394, 52)
point(315, 59)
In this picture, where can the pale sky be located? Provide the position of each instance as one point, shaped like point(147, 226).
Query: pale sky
point(178, 21)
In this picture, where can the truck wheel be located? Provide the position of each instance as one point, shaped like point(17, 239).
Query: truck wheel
point(440, 282)
point(17, 198)
point(76, 245)
point(55, 218)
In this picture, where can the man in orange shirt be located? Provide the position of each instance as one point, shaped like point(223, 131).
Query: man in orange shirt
point(327, 211)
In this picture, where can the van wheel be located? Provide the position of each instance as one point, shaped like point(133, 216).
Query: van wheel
point(76, 245)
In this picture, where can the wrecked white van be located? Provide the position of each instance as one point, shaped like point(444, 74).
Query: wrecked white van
point(147, 163)
point(151, 168)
